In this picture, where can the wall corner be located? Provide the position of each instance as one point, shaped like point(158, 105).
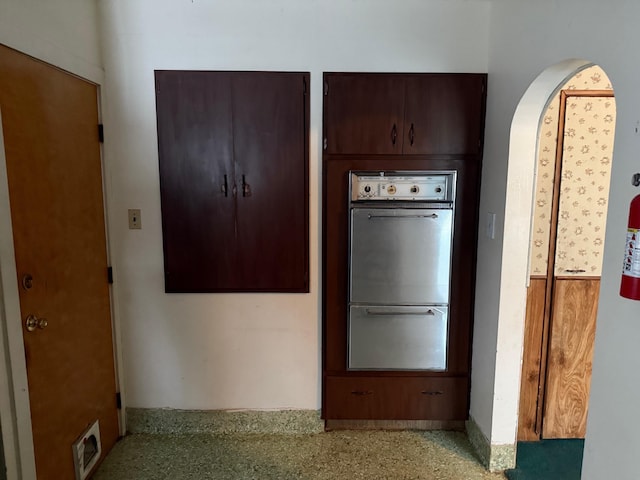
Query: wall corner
point(495, 458)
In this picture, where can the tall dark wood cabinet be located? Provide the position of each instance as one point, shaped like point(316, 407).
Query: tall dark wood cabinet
point(233, 157)
point(399, 122)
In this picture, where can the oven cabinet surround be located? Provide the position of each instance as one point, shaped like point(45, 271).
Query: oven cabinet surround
point(397, 395)
point(233, 157)
point(409, 114)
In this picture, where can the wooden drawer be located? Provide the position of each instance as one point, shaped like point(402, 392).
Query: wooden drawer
point(395, 398)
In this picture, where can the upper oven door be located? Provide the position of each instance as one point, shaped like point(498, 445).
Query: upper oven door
point(400, 256)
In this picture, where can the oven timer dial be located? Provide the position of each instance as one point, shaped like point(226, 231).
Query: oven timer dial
point(391, 189)
point(366, 191)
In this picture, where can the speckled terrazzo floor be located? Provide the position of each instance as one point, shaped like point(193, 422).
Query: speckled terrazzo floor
point(368, 455)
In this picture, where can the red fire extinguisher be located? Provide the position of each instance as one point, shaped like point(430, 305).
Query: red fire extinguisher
point(630, 286)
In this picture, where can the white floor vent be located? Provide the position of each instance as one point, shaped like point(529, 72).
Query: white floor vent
point(86, 451)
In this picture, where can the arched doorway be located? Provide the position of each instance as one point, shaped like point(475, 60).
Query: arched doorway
point(573, 166)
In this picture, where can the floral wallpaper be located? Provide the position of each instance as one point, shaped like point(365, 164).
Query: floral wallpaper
point(584, 186)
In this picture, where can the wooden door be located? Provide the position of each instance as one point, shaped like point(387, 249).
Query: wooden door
point(49, 121)
point(270, 118)
point(363, 113)
point(560, 325)
point(569, 363)
point(444, 114)
point(197, 181)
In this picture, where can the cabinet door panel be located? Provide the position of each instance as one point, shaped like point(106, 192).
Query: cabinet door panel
point(363, 113)
point(444, 114)
point(194, 143)
point(270, 151)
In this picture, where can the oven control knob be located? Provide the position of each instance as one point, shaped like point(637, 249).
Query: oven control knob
point(414, 189)
point(391, 189)
point(438, 189)
point(367, 188)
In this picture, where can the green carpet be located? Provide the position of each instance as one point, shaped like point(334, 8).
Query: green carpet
point(548, 460)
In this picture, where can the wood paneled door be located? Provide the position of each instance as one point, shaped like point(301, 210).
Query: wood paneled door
point(54, 169)
point(563, 294)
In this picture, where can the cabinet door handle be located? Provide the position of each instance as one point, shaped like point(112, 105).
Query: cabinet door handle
point(246, 188)
point(432, 392)
point(361, 392)
point(411, 135)
point(394, 134)
point(224, 187)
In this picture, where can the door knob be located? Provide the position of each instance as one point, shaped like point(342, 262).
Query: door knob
point(32, 323)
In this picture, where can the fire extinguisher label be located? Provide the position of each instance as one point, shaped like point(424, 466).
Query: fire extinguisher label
point(631, 266)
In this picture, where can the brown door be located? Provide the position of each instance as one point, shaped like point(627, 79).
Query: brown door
point(443, 114)
point(197, 180)
point(49, 121)
point(270, 145)
point(562, 304)
point(363, 113)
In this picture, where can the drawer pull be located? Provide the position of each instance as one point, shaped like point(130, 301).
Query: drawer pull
point(432, 392)
point(361, 392)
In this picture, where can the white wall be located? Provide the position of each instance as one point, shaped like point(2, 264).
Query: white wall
point(254, 351)
point(63, 33)
point(526, 38)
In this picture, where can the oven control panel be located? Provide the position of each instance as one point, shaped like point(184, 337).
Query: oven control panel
point(398, 186)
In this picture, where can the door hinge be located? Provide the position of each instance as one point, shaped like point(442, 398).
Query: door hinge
point(110, 275)
point(326, 88)
point(101, 133)
point(118, 401)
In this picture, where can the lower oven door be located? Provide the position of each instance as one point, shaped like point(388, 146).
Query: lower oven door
point(398, 337)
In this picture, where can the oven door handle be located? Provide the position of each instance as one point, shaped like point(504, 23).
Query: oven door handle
point(432, 215)
point(430, 311)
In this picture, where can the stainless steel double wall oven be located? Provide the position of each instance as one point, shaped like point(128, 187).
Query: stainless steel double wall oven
point(401, 233)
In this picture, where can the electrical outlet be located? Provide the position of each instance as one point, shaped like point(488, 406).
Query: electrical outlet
point(135, 220)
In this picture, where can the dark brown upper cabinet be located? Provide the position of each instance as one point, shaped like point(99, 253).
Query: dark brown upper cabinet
point(233, 158)
point(409, 114)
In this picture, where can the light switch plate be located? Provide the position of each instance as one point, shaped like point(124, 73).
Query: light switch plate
point(135, 220)
point(490, 226)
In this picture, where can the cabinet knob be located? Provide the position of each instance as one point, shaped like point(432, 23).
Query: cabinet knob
point(394, 134)
point(411, 135)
